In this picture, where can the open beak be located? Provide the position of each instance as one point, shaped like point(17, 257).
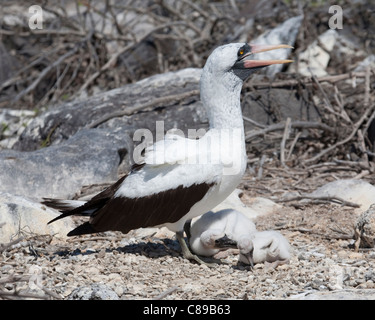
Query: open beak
point(258, 48)
point(225, 242)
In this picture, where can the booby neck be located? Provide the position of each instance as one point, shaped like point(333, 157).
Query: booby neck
point(222, 78)
point(220, 95)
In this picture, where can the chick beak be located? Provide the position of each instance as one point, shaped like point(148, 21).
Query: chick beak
point(249, 258)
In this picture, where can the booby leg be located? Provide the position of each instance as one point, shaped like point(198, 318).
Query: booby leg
point(187, 228)
point(187, 254)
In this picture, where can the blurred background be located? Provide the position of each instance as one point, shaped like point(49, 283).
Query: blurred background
point(318, 107)
point(85, 47)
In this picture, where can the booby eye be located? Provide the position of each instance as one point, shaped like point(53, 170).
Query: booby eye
point(243, 51)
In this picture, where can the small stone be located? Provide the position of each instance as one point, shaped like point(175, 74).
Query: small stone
point(93, 292)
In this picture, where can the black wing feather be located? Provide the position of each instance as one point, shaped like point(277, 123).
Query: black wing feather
point(125, 214)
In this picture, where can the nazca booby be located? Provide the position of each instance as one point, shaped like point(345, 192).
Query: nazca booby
point(226, 229)
point(183, 178)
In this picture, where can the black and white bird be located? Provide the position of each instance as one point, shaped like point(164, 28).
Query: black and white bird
point(182, 178)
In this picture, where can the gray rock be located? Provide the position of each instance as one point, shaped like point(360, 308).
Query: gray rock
point(357, 191)
point(272, 106)
point(18, 214)
point(90, 156)
point(285, 33)
point(65, 120)
point(93, 292)
point(330, 45)
point(365, 229)
point(314, 60)
point(367, 62)
point(79, 156)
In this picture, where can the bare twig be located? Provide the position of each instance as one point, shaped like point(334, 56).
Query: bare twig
point(112, 61)
point(367, 87)
point(45, 72)
point(17, 295)
point(261, 163)
point(295, 124)
point(5, 246)
point(283, 141)
point(166, 293)
point(293, 145)
point(308, 80)
point(347, 139)
point(321, 198)
point(257, 124)
point(326, 100)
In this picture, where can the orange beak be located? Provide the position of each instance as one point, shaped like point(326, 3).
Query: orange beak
point(257, 48)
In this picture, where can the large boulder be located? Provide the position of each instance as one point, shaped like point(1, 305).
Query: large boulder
point(61, 122)
point(19, 215)
point(66, 151)
point(357, 191)
point(90, 156)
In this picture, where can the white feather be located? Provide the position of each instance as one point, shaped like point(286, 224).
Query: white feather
point(269, 246)
point(227, 222)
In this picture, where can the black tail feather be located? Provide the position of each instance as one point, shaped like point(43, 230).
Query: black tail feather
point(65, 214)
point(85, 228)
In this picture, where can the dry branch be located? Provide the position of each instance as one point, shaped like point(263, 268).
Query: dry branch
point(320, 198)
point(5, 246)
point(166, 293)
point(307, 80)
point(112, 61)
point(356, 126)
point(104, 39)
point(295, 124)
point(283, 141)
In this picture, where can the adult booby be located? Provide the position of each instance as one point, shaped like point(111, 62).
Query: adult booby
point(230, 229)
point(182, 178)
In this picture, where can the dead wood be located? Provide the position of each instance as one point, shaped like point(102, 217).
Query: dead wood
point(319, 199)
point(295, 124)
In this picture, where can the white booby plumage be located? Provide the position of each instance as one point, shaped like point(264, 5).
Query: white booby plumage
point(181, 178)
point(266, 246)
point(225, 229)
point(212, 226)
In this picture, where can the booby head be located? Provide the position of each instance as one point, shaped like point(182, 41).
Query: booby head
point(237, 58)
point(246, 247)
point(244, 244)
point(209, 238)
